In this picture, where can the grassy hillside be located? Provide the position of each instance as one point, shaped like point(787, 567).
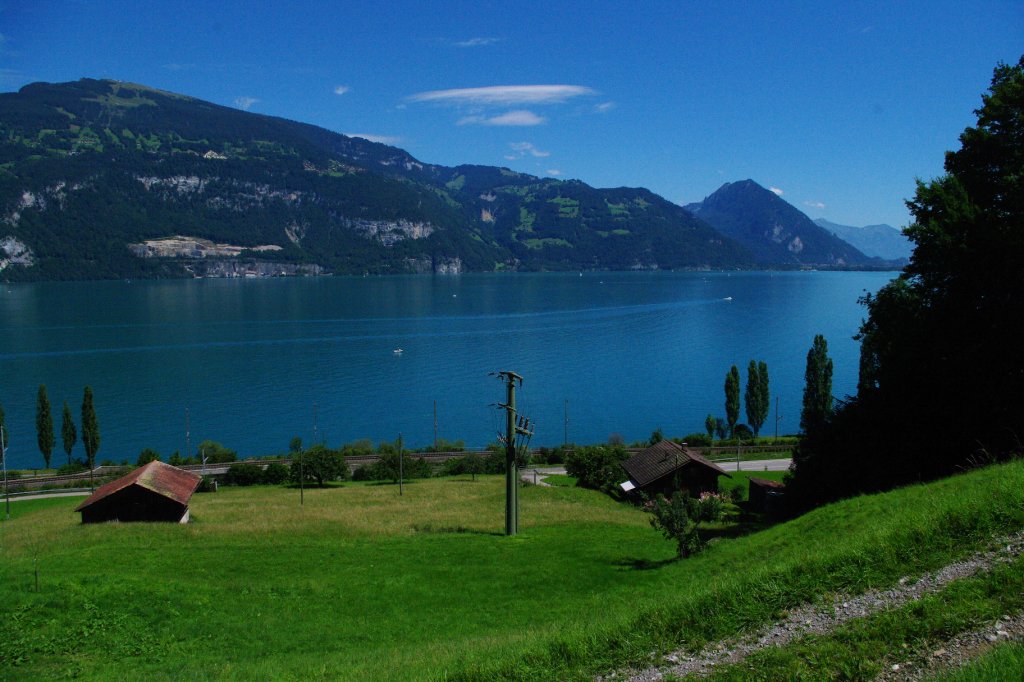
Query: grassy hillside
point(361, 583)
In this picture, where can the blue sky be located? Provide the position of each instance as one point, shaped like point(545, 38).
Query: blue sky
point(838, 106)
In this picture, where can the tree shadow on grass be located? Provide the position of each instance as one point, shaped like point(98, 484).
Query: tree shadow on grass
point(644, 564)
point(451, 530)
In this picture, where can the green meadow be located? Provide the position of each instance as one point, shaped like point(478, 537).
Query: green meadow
point(361, 583)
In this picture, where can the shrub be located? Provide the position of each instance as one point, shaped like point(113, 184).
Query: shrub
point(208, 484)
point(146, 456)
point(697, 440)
point(743, 432)
point(244, 473)
point(318, 464)
point(598, 467)
point(678, 518)
point(216, 453)
point(75, 467)
point(275, 473)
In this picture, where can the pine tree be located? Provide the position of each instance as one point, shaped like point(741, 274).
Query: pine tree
point(817, 386)
point(44, 425)
point(90, 428)
point(732, 398)
point(68, 432)
point(752, 398)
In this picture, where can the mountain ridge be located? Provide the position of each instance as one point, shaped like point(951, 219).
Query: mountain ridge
point(881, 241)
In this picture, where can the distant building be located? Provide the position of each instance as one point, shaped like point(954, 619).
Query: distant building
point(154, 492)
point(667, 467)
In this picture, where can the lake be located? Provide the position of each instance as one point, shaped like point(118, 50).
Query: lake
point(256, 362)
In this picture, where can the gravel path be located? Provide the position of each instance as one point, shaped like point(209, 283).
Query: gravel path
point(812, 619)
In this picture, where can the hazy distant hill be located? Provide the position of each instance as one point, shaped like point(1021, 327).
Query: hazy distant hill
point(97, 175)
point(775, 231)
point(883, 241)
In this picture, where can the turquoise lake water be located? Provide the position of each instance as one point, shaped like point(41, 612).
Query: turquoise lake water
point(630, 352)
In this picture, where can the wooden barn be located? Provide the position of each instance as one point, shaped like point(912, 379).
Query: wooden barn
point(667, 467)
point(766, 496)
point(154, 492)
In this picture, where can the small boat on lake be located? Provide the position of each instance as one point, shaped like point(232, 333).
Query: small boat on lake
point(398, 351)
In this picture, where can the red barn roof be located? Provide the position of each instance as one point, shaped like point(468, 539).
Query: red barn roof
point(163, 479)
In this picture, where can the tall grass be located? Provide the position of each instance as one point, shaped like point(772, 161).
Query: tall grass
point(360, 583)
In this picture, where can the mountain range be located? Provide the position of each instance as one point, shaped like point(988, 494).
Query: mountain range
point(107, 179)
point(881, 241)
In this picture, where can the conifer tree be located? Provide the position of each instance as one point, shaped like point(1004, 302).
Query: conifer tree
point(68, 432)
point(755, 397)
point(44, 425)
point(817, 386)
point(90, 428)
point(732, 398)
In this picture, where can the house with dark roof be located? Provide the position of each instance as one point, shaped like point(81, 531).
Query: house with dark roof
point(667, 467)
point(153, 492)
point(765, 495)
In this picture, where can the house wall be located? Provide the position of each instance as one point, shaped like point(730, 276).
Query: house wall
point(134, 503)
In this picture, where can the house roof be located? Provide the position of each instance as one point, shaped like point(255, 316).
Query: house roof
point(765, 483)
point(163, 479)
point(663, 458)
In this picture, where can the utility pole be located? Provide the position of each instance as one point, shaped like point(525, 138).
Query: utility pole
point(565, 435)
point(435, 426)
point(777, 418)
point(3, 456)
point(188, 442)
point(515, 425)
point(401, 468)
point(314, 422)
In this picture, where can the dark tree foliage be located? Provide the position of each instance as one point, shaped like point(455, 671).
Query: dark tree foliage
point(90, 428)
point(146, 456)
point(318, 464)
point(709, 425)
point(942, 363)
point(755, 397)
point(215, 453)
point(68, 432)
point(732, 398)
point(598, 467)
point(44, 425)
point(817, 405)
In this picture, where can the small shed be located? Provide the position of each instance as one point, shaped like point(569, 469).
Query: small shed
point(765, 496)
point(666, 467)
point(153, 492)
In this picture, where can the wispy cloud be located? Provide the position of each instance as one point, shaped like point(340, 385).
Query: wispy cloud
point(244, 103)
point(383, 139)
point(520, 117)
point(554, 171)
point(340, 89)
point(524, 148)
point(776, 191)
point(605, 106)
point(814, 204)
point(476, 42)
point(503, 95)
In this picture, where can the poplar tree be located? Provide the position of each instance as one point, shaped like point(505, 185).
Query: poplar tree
point(68, 432)
point(755, 397)
point(709, 426)
point(732, 398)
point(817, 386)
point(44, 425)
point(90, 428)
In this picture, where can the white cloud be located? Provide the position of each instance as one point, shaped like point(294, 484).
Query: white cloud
point(776, 191)
point(524, 148)
point(814, 204)
point(554, 171)
point(500, 95)
point(340, 89)
point(476, 42)
point(383, 139)
point(244, 103)
point(605, 106)
point(520, 117)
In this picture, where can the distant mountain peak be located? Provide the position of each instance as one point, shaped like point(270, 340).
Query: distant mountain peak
point(774, 230)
